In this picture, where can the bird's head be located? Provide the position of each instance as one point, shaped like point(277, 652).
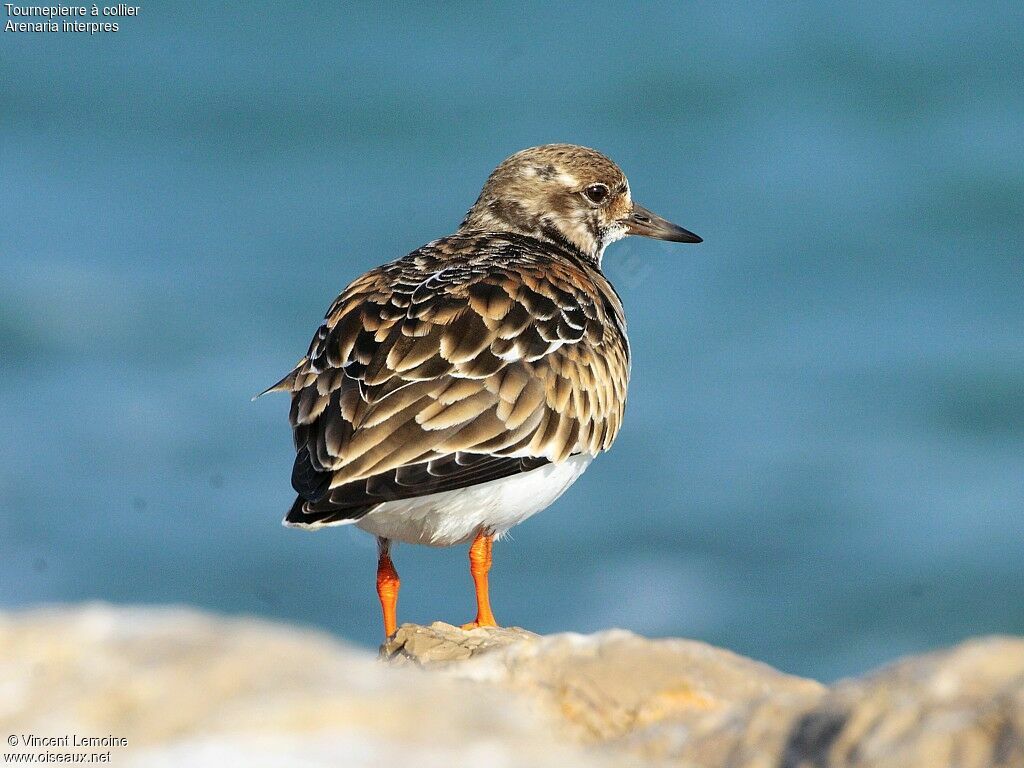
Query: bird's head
point(569, 195)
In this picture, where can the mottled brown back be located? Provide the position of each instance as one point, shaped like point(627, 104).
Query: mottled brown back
point(475, 357)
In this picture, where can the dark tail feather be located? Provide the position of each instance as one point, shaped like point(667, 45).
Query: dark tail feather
point(309, 482)
point(301, 515)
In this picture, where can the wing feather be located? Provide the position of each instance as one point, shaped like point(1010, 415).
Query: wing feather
point(473, 358)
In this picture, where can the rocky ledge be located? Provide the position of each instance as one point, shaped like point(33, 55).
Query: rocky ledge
point(187, 688)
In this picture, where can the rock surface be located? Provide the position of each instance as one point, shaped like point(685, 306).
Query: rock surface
point(193, 689)
point(612, 685)
point(691, 704)
point(187, 688)
point(962, 707)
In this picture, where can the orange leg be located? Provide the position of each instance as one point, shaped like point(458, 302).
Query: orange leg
point(387, 587)
point(479, 566)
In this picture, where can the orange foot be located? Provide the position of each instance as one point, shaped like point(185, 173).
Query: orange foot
point(477, 624)
point(480, 566)
point(387, 587)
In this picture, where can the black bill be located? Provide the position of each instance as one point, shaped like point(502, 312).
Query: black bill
point(646, 224)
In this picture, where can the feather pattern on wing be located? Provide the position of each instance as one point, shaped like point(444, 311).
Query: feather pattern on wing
point(473, 358)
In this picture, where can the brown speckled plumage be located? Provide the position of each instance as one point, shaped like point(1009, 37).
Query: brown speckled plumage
point(482, 354)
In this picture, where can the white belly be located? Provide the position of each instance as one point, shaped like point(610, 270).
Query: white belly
point(454, 517)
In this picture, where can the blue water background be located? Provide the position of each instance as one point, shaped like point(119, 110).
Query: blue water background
point(822, 464)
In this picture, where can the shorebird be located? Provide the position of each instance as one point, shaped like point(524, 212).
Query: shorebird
point(455, 392)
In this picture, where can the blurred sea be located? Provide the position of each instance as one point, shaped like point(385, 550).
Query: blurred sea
point(823, 458)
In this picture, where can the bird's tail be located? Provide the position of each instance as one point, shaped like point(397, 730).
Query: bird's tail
point(304, 514)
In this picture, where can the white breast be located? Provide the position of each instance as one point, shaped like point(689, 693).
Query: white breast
point(455, 517)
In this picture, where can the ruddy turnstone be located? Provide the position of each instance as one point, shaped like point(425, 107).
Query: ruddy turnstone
point(455, 392)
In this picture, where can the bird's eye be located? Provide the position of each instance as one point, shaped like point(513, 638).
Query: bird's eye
point(596, 193)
